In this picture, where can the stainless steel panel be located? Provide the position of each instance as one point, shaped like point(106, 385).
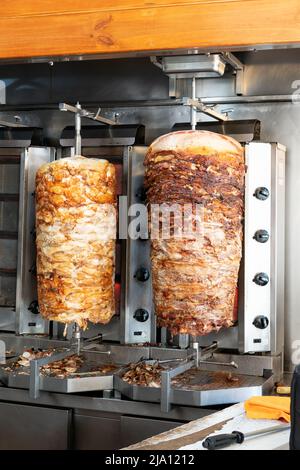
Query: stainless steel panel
point(279, 70)
point(117, 355)
point(7, 315)
point(67, 385)
point(211, 394)
point(107, 77)
point(196, 65)
point(9, 211)
point(280, 119)
point(111, 405)
point(9, 177)
point(8, 255)
point(27, 322)
point(17, 344)
point(34, 85)
point(265, 168)
point(96, 433)
point(278, 249)
point(135, 429)
point(33, 428)
point(138, 294)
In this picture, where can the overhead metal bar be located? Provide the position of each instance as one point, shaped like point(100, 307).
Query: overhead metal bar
point(164, 102)
point(202, 108)
point(86, 114)
point(11, 124)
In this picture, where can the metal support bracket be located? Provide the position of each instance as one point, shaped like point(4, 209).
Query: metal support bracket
point(36, 364)
point(239, 68)
point(166, 389)
point(80, 113)
point(198, 106)
point(194, 360)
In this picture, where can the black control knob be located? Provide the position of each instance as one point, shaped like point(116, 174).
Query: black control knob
point(141, 194)
point(141, 315)
point(142, 274)
point(261, 236)
point(261, 279)
point(262, 193)
point(34, 307)
point(261, 322)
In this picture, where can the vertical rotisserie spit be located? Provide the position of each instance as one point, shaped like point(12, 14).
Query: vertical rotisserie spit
point(75, 238)
point(195, 277)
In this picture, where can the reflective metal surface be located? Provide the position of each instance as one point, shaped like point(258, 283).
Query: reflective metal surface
point(26, 427)
point(28, 320)
point(272, 100)
point(138, 293)
point(204, 389)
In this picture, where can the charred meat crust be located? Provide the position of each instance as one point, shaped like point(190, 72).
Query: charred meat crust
point(194, 280)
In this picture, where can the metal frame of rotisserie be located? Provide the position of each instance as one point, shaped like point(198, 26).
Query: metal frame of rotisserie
point(28, 320)
point(259, 327)
point(265, 164)
point(262, 305)
point(136, 324)
point(21, 145)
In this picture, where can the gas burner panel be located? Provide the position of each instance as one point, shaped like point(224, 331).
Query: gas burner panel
point(261, 312)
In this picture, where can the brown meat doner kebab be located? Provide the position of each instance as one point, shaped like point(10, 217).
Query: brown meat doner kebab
point(195, 277)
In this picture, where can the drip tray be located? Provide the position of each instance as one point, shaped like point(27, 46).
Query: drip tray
point(200, 388)
point(86, 378)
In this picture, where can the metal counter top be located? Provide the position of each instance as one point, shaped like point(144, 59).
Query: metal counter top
point(96, 403)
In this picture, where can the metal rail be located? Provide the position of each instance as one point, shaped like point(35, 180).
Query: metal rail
point(86, 114)
point(214, 100)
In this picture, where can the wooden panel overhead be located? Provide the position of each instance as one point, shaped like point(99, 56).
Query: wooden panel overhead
point(71, 27)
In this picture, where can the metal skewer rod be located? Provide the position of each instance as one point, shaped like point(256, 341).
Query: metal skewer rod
point(76, 336)
point(196, 349)
point(193, 108)
point(78, 130)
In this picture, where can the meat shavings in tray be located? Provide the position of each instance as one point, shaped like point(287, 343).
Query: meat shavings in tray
point(149, 375)
point(194, 379)
point(73, 366)
point(23, 361)
point(58, 368)
point(141, 373)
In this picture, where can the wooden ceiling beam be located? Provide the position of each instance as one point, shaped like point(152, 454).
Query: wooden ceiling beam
point(52, 28)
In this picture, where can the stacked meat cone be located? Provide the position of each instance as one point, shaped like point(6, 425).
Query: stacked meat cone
point(195, 276)
point(75, 238)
